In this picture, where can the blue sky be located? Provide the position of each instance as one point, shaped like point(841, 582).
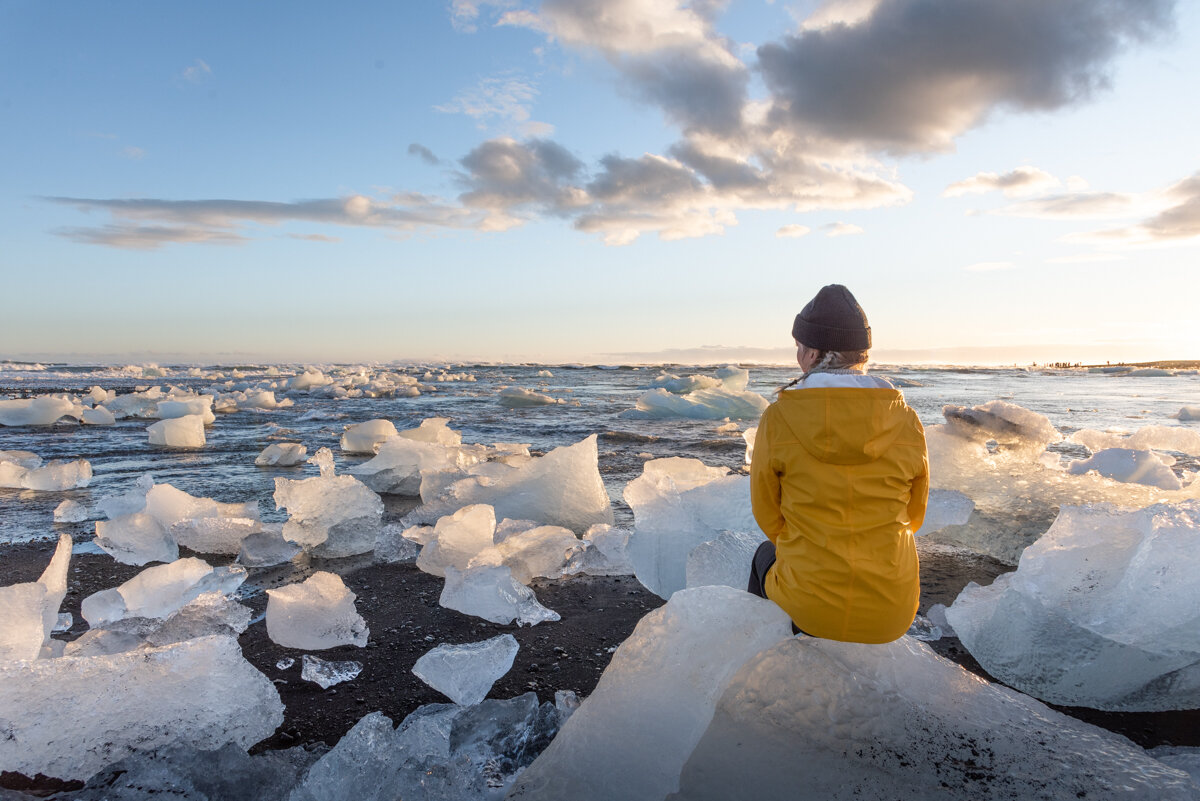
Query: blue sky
point(598, 180)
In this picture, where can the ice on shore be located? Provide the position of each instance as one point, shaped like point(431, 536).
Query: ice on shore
point(136, 539)
point(97, 416)
point(1008, 424)
point(493, 594)
point(70, 717)
point(399, 466)
point(214, 534)
point(25, 470)
point(562, 488)
point(1103, 611)
point(281, 454)
point(540, 552)
point(465, 673)
point(335, 515)
point(314, 615)
point(655, 699)
point(678, 504)
point(1123, 464)
point(325, 673)
point(851, 721)
point(31, 608)
point(605, 553)
point(1162, 438)
point(945, 508)
point(392, 546)
point(70, 511)
point(702, 404)
point(178, 432)
point(266, 548)
point(724, 561)
point(518, 398)
point(367, 437)
point(457, 538)
point(160, 591)
point(40, 411)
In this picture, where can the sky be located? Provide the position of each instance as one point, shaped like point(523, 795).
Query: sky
point(997, 181)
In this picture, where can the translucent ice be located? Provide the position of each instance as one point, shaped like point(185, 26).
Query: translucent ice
point(40, 411)
point(178, 432)
point(214, 534)
point(945, 508)
point(30, 609)
point(136, 539)
point(337, 513)
point(516, 398)
point(678, 504)
point(70, 512)
point(325, 673)
point(703, 404)
point(541, 552)
point(465, 673)
point(851, 721)
point(98, 416)
point(725, 560)
point(200, 405)
point(1006, 423)
point(397, 467)
point(159, 591)
point(606, 553)
point(281, 454)
point(457, 538)
point(315, 614)
point(1187, 413)
point(70, 717)
point(677, 385)
point(207, 614)
point(562, 488)
point(631, 736)
point(493, 594)
point(53, 476)
point(392, 546)
point(1103, 611)
point(1123, 464)
point(1164, 438)
point(367, 437)
point(435, 430)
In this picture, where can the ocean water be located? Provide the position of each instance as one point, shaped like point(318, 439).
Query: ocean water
point(598, 401)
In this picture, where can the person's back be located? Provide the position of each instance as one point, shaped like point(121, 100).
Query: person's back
point(839, 481)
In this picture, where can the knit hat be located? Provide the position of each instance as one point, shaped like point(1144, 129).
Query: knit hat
point(833, 320)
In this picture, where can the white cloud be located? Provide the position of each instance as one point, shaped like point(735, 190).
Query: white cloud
point(507, 99)
point(989, 266)
point(1021, 181)
point(793, 231)
point(1075, 205)
point(1086, 258)
point(1177, 222)
point(197, 72)
point(133, 153)
point(841, 229)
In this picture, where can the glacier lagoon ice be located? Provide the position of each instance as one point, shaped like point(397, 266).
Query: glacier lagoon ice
point(457, 538)
point(493, 594)
point(1103, 611)
point(945, 508)
point(367, 437)
point(25, 470)
point(315, 614)
point(326, 673)
point(40, 411)
point(200, 405)
point(465, 673)
point(334, 515)
point(539, 552)
point(724, 561)
point(392, 546)
point(159, 591)
point(70, 717)
point(70, 511)
point(519, 398)
point(851, 721)
point(178, 432)
point(1128, 465)
point(1153, 437)
point(605, 553)
point(31, 608)
point(281, 454)
point(678, 504)
point(135, 539)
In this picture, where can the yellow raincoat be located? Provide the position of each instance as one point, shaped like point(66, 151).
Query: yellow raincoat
point(839, 481)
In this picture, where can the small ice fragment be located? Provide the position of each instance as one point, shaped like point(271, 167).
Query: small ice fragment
point(936, 615)
point(326, 674)
point(493, 594)
point(267, 548)
point(945, 508)
point(518, 398)
point(392, 546)
point(458, 538)
point(924, 630)
point(323, 460)
point(285, 663)
point(465, 673)
point(566, 702)
point(315, 614)
point(281, 454)
point(64, 622)
point(70, 511)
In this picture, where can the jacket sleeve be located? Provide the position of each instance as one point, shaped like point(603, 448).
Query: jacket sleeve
point(919, 489)
point(764, 483)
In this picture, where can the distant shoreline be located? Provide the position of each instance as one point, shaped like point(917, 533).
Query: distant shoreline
point(1176, 364)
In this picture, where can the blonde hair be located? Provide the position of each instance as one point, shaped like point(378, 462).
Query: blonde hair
point(830, 361)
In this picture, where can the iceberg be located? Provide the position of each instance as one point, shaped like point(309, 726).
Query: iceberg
point(41, 411)
point(281, 454)
point(1187, 413)
point(493, 594)
point(336, 515)
point(315, 614)
point(1103, 611)
point(678, 504)
point(518, 398)
point(159, 591)
point(702, 404)
point(31, 608)
point(457, 538)
point(851, 721)
point(70, 717)
point(465, 673)
point(178, 432)
point(393, 546)
point(1124, 464)
point(631, 737)
point(678, 385)
point(367, 437)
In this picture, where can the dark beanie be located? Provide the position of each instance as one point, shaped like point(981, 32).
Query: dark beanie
point(833, 320)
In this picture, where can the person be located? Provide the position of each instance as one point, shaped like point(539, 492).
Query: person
point(839, 480)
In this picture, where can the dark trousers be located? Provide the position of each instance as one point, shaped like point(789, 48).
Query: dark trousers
point(763, 559)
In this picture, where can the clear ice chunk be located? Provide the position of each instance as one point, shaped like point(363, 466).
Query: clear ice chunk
point(725, 560)
point(457, 538)
point(335, 515)
point(30, 609)
point(159, 591)
point(465, 673)
point(70, 511)
point(281, 454)
point(136, 539)
point(178, 432)
point(606, 553)
point(325, 673)
point(540, 552)
point(267, 548)
point(945, 508)
point(392, 546)
point(367, 437)
point(315, 614)
point(1131, 466)
point(493, 594)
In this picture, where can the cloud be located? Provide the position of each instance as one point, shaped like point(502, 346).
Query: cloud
point(133, 153)
point(149, 237)
point(989, 266)
point(1074, 205)
point(511, 180)
point(314, 237)
point(507, 99)
point(913, 75)
point(1085, 258)
point(1021, 181)
point(465, 14)
point(197, 72)
point(841, 229)
point(423, 153)
point(1178, 222)
point(794, 231)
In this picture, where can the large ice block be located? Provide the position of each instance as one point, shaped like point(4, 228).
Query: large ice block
point(702, 404)
point(606, 553)
point(725, 560)
point(678, 504)
point(214, 534)
point(493, 594)
point(338, 515)
point(159, 591)
point(182, 406)
point(41, 411)
point(178, 432)
point(457, 538)
point(53, 476)
point(135, 539)
point(823, 719)
point(69, 717)
point(1008, 424)
point(367, 437)
point(315, 614)
point(1181, 439)
point(630, 737)
point(945, 508)
point(1103, 611)
point(30, 609)
point(1125, 464)
point(465, 673)
point(540, 552)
